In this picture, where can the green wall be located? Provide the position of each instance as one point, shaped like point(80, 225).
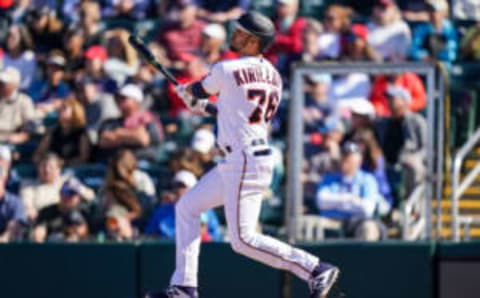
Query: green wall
point(377, 270)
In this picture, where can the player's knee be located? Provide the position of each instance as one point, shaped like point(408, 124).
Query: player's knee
point(243, 241)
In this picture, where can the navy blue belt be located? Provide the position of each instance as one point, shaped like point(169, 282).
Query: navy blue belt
point(254, 143)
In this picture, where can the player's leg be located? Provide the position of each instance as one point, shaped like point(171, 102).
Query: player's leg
point(206, 194)
point(243, 198)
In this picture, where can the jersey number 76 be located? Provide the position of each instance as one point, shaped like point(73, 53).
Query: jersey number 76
point(267, 104)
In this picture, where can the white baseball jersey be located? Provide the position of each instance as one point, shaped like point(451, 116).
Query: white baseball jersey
point(249, 91)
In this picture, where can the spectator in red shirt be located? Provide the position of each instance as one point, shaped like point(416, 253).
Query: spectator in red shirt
point(410, 81)
point(183, 35)
point(288, 40)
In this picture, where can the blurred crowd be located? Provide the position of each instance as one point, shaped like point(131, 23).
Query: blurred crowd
point(96, 145)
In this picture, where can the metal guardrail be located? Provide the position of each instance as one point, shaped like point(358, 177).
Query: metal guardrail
point(414, 214)
point(459, 188)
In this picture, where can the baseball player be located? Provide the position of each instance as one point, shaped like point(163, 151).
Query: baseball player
point(249, 90)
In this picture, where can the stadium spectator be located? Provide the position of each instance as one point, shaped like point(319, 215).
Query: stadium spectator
point(65, 220)
point(126, 9)
point(470, 46)
point(183, 35)
point(129, 188)
point(222, 11)
point(436, 40)
point(388, 34)
point(162, 222)
point(68, 139)
point(408, 80)
point(46, 30)
point(45, 189)
point(73, 44)
point(374, 162)
point(95, 57)
point(185, 159)
point(16, 108)
point(136, 130)
point(19, 55)
point(311, 46)
point(404, 138)
point(356, 47)
point(122, 61)
point(49, 92)
point(99, 106)
point(288, 40)
point(350, 196)
point(203, 144)
point(12, 212)
point(213, 41)
point(322, 156)
point(319, 111)
point(336, 22)
point(118, 226)
point(89, 23)
point(362, 116)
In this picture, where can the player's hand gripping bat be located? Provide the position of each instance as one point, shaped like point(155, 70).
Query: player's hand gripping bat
point(145, 52)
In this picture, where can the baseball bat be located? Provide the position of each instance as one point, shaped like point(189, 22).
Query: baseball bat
point(145, 52)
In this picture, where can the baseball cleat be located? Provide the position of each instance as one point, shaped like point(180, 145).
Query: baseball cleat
point(174, 292)
point(323, 278)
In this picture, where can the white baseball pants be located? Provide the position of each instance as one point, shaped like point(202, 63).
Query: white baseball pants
point(238, 183)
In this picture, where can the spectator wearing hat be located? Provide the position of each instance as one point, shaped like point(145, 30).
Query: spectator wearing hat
point(409, 81)
point(351, 196)
point(68, 139)
point(319, 110)
point(162, 223)
point(388, 34)
point(12, 212)
point(45, 189)
point(362, 117)
point(66, 220)
point(437, 39)
point(223, 11)
point(403, 138)
point(203, 144)
point(288, 40)
point(182, 35)
point(355, 45)
point(212, 45)
point(95, 58)
point(19, 55)
point(136, 130)
point(49, 92)
point(16, 108)
point(118, 225)
point(99, 106)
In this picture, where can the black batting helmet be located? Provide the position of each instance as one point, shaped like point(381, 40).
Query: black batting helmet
point(258, 25)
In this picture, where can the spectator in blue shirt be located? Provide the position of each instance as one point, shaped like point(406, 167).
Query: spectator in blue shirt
point(351, 196)
point(12, 213)
point(436, 40)
point(162, 222)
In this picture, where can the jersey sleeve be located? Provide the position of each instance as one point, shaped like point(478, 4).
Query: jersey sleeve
point(213, 82)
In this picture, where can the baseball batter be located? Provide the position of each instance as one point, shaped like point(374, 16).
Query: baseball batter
point(249, 90)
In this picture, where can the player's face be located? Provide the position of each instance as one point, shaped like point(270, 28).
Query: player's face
point(242, 42)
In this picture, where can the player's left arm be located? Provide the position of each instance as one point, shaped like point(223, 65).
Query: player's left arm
point(195, 95)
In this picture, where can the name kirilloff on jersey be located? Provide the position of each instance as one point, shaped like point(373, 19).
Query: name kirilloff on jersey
point(267, 99)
